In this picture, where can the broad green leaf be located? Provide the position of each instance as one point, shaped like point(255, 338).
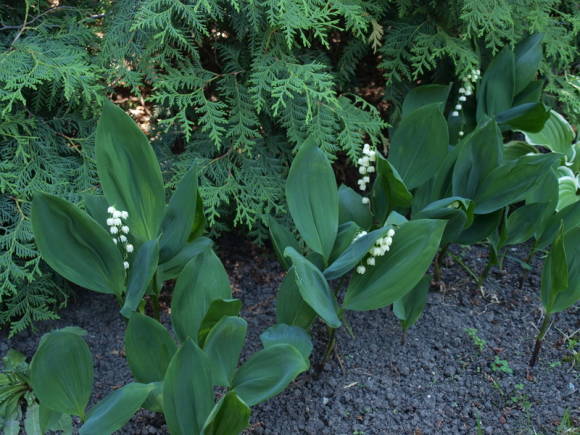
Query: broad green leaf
point(567, 192)
point(223, 346)
point(154, 401)
point(397, 196)
point(188, 390)
point(13, 360)
point(268, 372)
point(528, 55)
point(149, 348)
point(290, 307)
point(531, 94)
point(54, 421)
point(569, 216)
point(524, 221)
point(351, 208)
point(312, 199)
point(281, 238)
point(229, 416)
point(483, 225)
point(293, 335)
point(96, 206)
point(353, 254)
point(439, 186)
point(75, 246)
point(179, 218)
point(555, 276)
point(346, 233)
point(408, 309)
point(556, 135)
point(217, 309)
point(129, 172)
point(497, 88)
point(395, 218)
point(61, 373)
point(398, 272)
point(423, 96)
point(314, 288)
point(140, 275)
point(515, 149)
point(478, 155)
point(457, 211)
point(115, 410)
point(510, 182)
point(529, 117)
point(417, 153)
point(202, 281)
point(173, 267)
point(32, 419)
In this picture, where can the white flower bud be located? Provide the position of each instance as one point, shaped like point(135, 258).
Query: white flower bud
point(462, 90)
point(365, 200)
point(361, 269)
point(114, 240)
point(110, 222)
point(458, 107)
point(366, 179)
point(129, 248)
point(126, 265)
point(116, 214)
point(111, 210)
point(372, 156)
point(124, 214)
point(359, 161)
point(390, 233)
point(114, 230)
point(370, 169)
point(365, 161)
point(362, 187)
point(375, 251)
point(122, 238)
point(461, 134)
point(366, 148)
point(125, 229)
point(462, 98)
point(371, 261)
point(118, 222)
point(455, 113)
point(362, 170)
point(468, 92)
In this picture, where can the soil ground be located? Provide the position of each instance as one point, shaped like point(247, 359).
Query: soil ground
point(438, 382)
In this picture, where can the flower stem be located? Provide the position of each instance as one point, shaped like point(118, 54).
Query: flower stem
point(540, 338)
point(528, 261)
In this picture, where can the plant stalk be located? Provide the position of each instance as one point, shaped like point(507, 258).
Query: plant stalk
point(528, 261)
point(156, 306)
point(437, 267)
point(540, 338)
point(491, 261)
point(330, 345)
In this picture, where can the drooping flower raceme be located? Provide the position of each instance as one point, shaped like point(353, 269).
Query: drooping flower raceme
point(119, 231)
point(380, 248)
point(465, 91)
point(366, 166)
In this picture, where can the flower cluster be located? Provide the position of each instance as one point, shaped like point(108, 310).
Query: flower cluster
point(465, 91)
point(120, 231)
point(366, 166)
point(381, 247)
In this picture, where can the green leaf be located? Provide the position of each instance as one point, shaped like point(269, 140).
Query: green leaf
point(569, 216)
point(557, 134)
point(531, 94)
point(75, 246)
point(129, 172)
point(346, 233)
point(528, 55)
point(268, 372)
point(479, 154)
point(398, 272)
point(522, 224)
point(54, 421)
point(290, 307)
point(392, 187)
point(180, 216)
point(149, 348)
point(96, 206)
point(154, 401)
point(293, 335)
point(515, 149)
point(229, 416)
point(115, 410)
point(202, 281)
point(529, 117)
point(351, 208)
point(417, 153)
point(353, 254)
point(217, 309)
point(408, 309)
point(223, 346)
point(141, 273)
point(314, 288)
point(188, 390)
point(497, 88)
point(173, 267)
point(313, 199)
point(457, 211)
point(61, 373)
point(281, 238)
point(510, 182)
point(32, 420)
point(423, 96)
point(567, 192)
point(555, 274)
point(483, 225)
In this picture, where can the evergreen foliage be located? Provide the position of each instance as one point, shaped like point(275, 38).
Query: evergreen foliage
point(236, 85)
